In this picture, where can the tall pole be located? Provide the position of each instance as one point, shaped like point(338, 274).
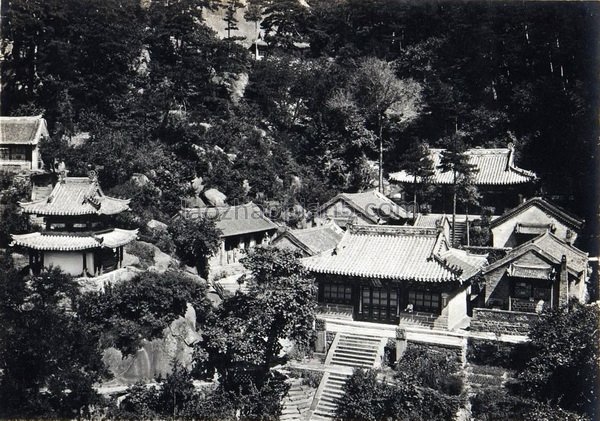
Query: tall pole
point(380, 155)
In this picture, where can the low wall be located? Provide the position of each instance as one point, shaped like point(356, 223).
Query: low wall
point(502, 321)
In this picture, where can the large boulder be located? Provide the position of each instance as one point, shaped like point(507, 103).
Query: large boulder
point(156, 357)
point(153, 224)
point(214, 197)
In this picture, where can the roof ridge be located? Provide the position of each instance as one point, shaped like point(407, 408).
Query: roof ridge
point(561, 242)
point(392, 229)
point(550, 207)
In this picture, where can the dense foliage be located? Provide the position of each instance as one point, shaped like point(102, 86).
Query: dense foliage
point(12, 190)
point(242, 340)
point(49, 360)
point(367, 398)
point(556, 372)
point(195, 240)
point(156, 79)
point(565, 363)
point(177, 398)
point(126, 313)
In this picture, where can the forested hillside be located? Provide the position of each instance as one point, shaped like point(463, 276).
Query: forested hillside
point(161, 94)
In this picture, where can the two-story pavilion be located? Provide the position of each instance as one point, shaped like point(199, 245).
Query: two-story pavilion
point(396, 274)
point(77, 233)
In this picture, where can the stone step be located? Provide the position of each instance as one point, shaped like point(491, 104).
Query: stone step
point(358, 339)
point(349, 360)
point(353, 356)
point(355, 350)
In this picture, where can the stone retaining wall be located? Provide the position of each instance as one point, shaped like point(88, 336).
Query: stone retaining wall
point(502, 321)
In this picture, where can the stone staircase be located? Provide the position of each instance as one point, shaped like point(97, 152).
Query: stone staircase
point(356, 351)
point(330, 390)
point(348, 351)
point(459, 233)
point(296, 403)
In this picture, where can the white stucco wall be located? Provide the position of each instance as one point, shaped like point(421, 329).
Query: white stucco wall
point(456, 309)
point(503, 234)
point(69, 262)
point(35, 158)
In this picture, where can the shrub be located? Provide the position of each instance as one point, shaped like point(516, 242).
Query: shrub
point(495, 353)
point(433, 368)
point(163, 241)
point(310, 378)
point(145, 252)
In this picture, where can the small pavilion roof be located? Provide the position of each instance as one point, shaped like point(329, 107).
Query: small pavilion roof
point(314, 240)
point(391, 252)
point(233, 220)
point(76, 196)
point(74, 241)
point(493, 167)
point(22, 130)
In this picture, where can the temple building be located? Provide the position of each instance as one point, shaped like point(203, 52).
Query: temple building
point(19, 143)
point(242, 227)
point(310, 241)
point(532, 218)
point(77, 233)
point(369, 207)
point(543, 273)
point(500, 182)
point(406, 275)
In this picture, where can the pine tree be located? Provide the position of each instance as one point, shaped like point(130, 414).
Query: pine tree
point(455, 159)
point(418, 163)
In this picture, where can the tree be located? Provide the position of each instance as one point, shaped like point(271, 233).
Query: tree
point(231, 7)
point(195, 241)
point(286, 294)
point(285, 22)
point(455, 160)
point(243, 339)
point(178, 398)
point(12, 190)
point(253, 13)
point(379, 94)
point(564, 367)
point(49, 359)
point(418, 163)
point(368, 398)
point(126, 313)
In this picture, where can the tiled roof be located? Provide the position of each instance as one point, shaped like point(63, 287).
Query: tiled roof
point(468, 264)
point(73, 242)
point(76, 196)
point(495, 167)
point(547, 207)
point(22, 130)
point(552, 248)
point(315, 240)
point(551, 244)
point(233, 220)
point(386, 252)
point(430, 220)
point(371, 204)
